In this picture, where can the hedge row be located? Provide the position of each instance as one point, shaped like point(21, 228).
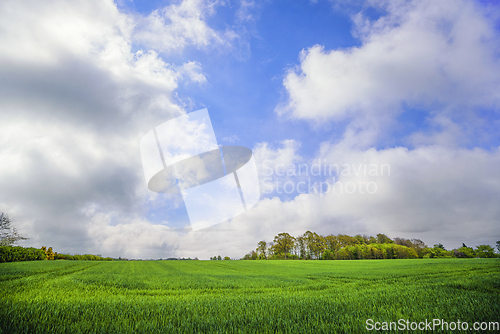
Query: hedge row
point(85, 257)
point(17, 253)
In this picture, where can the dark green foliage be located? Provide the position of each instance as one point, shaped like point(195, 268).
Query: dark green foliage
point(383, 239)
point(485, 251)
point(440, 245)
point(437, 251)
point(17, 253)
point(464, 252)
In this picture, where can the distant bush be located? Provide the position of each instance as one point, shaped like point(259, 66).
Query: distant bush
point(485, 251)
point(374, 251)
point(17, 253)
point(85, 257)
point(464, 252)
point(281, 256)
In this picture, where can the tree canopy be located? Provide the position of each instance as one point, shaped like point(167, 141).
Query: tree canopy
point(311, 246)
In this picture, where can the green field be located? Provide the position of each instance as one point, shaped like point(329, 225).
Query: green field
point(242, 296)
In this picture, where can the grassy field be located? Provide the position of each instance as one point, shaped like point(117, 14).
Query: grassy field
point(242, 296)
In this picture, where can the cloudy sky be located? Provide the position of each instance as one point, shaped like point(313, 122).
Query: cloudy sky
point(401, 98)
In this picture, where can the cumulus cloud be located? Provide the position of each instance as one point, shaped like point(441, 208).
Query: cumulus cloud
point(441, 56)
point(74, 103)
point(130, 238)
point(272, 163)
point(433, 193)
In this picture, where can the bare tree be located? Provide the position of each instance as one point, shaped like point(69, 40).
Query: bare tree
point(8, 233)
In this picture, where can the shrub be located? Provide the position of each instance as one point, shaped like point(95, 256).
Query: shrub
point(18, 253)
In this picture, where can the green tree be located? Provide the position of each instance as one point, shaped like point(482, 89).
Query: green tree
point(332, 243)
point(485, 251)
point(227, 258)
point(309, 241)
point(283, 243)
point(219, 258)
point(254, 255)
point(498, 246)
point(362, 239)
point(347, 240)
point(8, 233)
point(261, 249)
point(419, 246)
point(328, 254)
point(300, 244)
point(464, 252)
point(383, 239)
point(50, 254)
point(437, 251)
point(403, 242)
point(440, 245)
point(318, 245)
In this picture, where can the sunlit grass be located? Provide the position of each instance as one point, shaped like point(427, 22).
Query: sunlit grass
point(242, 296)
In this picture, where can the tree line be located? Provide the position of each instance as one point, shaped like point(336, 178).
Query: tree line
point(308, 246)
point(18, 253)
point(219, 258)
point(311, 246)
point(10, 253)
point(51, 255)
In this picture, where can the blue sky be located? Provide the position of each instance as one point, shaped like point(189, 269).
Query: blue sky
point(245, 86)
point(408, 84)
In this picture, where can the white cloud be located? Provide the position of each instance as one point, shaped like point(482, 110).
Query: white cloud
point(269, 160)
point(176, 26)
point(441, 57)
point(192, 71)
point(433, 193)
point(438, 55)
point(42, 33)
point(131, 238)
point(74, 103)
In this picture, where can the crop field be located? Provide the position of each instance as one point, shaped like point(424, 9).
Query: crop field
point(242, 296)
